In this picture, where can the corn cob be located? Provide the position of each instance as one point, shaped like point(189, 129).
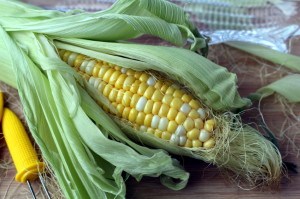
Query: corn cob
point(147, 102)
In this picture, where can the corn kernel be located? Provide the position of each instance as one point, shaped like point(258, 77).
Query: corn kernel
point(108, 74)
point(166, 135)
point(130, 72)
point(193, 114)
point(120, 95)
point(135, 86)
point(193, 134)
point(142, 88)
point(189, 124)
point(137, 74)
point(144, 77)
point(117, 68)
point(198, 123)
point(132, 115)
point(126, 112)
point(164, 88)
point(157, 96)
point(209, 143)
point(170, 90)
point(148, 120)
point(135, 98)
point(163, 111)
point(113, 95)
point(150, 130)
point(140, 118)
point(163, 124)
point(96, 70)
point(167, 99)
point(176, 103)
point(120, 81)
point(107, 89)
point(156, 108)
point(103, 71)
point(172, 114)
point(127, 98)
point(178, 93)
point(188, 143)
point(128, 82)
point(194, 104)
point(66, 56)
point(182, 140)
point(186, 98)
point(158, 85)
point(101, 86)
point(155, 121)
point(204, 135)
point(114, 77)
point(149, 92)
point(148, 107)
point(209, 127)
point(180, 117)
point(151, 81)
point(120, 109)
point(172, 126)
point(141, 103)
point(157, 133)
point(196, 144)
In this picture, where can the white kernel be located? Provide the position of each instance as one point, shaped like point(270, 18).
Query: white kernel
point(174, 139)
point(89, 67)
point(140, 105)
point(151, 81)
point(202, 113)
point(143, 128)
point(123, 70)
point(83, 65)
point(180, 130)
point(92, 80)
point(185, 108)
point(204, 135)
point(97, 82)
point(163, 124)
point(182, 140)
point(72, 58)
point(155, 121)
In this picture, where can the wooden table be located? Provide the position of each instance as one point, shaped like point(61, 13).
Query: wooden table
point(206, 181)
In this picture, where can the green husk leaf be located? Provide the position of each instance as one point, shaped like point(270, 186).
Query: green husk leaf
point(124, 20)
point(213, 84)
point(287, 87)
point(287, 60)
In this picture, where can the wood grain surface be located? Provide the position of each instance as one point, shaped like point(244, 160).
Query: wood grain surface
point(206, 181)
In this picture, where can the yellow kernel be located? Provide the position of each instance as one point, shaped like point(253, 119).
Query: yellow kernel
point(156, 107)
point(164, 88)
point(78, 62)
point(120, 95)
point(135, 86)
point(172, 114)
point(113, 95)
point(137, 74)
point(101, 86)
point(142, 88)
point(125, 113)
point(157, 133)
point(107, 89)
point(120, 109)
point(170, 90)
point(188, 143)
point(117, 68)
point(180, 117)
point(149, 92)
point(194, 104)
point(186, 98)
point(127, 98)
point(66, 56)
point(130, 72)
point(176, 103)
point(158, 85)
point(140, 118)
point(114, 77)
point(211, 121)
point(157, 96)
point(209, 143)
point(209, 127)
point(163, 111)
point(166, 135)
point(120, 81)
point(178, 93)
point(172, 126)
point(193, 134)
point(132, 115)
point(149, 106)
point(148, 120)
point(189, 124)
point(128, 82)
point(135, 98)
point(108, 74)
point(167, 99)
point(194, 114)
point(196, 144)
point(150, 130)
point(144, 77)
point(199, 123)
point(103, 71)
point(96, 70)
